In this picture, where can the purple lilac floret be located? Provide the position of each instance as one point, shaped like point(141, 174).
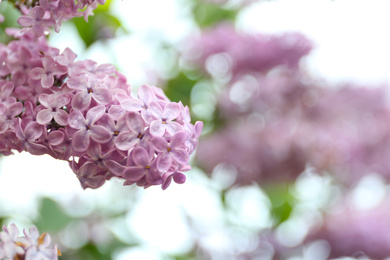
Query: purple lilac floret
point(85, 113)
point(30, 246)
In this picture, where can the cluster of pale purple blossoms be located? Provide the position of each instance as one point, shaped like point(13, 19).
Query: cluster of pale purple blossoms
point(31, 246)
point(278, 120)
point(246, 53)
point(85, 113)
point(353, 232)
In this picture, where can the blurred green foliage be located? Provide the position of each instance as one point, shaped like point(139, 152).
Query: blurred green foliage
point(11, 15)
point(88, 252)
point(208, 14)
point(101, 26)
point(51, 217)
point(280, 198)
point(179, 88)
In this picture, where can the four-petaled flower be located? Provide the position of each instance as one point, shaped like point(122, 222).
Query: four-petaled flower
point(172, 151)
point(87, 128)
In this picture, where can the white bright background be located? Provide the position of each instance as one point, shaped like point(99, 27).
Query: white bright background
point(352, 39)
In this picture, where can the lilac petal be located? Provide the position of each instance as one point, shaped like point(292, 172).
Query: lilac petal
point(76, 120)
point(167, 179)
point(18, 129)
point(4, 70)
point(33, 131)
point(95, 113)
point(173, 128)
point(140, 156)
point(134, 173)
point(198, 129)
point(171, 111)
point(47, 81)
point(107, 121)
point(4, 127)
point(46, 100)
point(156, 109)
point(164, 161)
point(185, 168)
point(87, 169)
point(37, 149)
point(159, 143)
point(77, 83)
point(67, 57)
point(179, 178)
point(148, 116)
point(114, 167)
point(33, 232)
point(154, 177)
point(135, 122)
point(3, 108)
point(37, 73)
point(37, 12)
point(102, 95)
point(94, 150)
point(131, 104)
point(100, 134)
point(38, 29)
point(80, 141)
point(25, 21)
point(180, 155)
point(146, 94)
point(13, 231)
point(106, 68)
point(178, 139)
point(157, 128)
point(45, 116)
point(56, 137)
point(61, 117)
point(126, 140)
point(48, 62)
point(92, 182)
point(15, 109)
point(116, 111)
point(62, 100)
point(48, 22)
point(81, 101)
point(7, 89)
point(88, 176)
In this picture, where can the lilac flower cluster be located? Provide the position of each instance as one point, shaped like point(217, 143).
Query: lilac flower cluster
point(85, 113)
point(353, 232)
point(278, 120)
point(31, 246)
point(40, 15)
point(266, 51)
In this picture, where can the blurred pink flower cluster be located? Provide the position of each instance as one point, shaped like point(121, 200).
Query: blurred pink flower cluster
point(31, 246)
point(277, 120)
point(85, 113)
point(354, 232)
point(246, 53)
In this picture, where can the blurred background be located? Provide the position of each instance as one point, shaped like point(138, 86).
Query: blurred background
point(294, 159)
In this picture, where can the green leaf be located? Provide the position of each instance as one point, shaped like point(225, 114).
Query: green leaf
point(11, 15)
point(207, 15)
point(280, 198)
point(101, 26)
point(89, 252)
point(179, 88)
point(52, 217)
